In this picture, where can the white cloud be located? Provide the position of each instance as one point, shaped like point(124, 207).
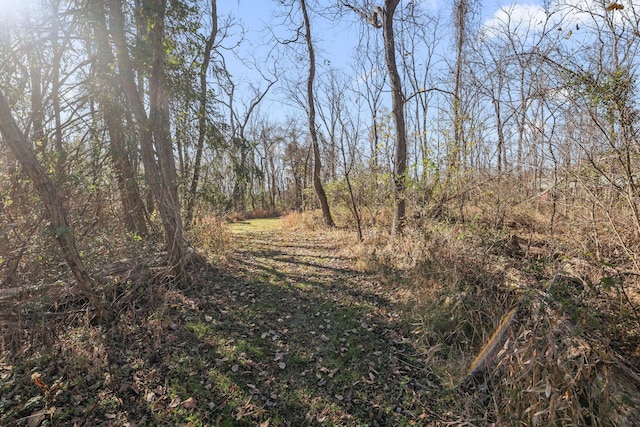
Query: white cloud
point(530, 18)
point(518, 19)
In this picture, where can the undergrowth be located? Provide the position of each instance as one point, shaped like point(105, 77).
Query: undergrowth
point(563, 360)
point(209, 235)
point(209, 350)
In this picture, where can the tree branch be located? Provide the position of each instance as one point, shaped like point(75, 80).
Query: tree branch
point(373, 18)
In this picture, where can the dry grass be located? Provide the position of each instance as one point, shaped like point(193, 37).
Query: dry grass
point(254, 214)
point(571, 356)
point(551, 373)
point(209, 235)
point(294, 220)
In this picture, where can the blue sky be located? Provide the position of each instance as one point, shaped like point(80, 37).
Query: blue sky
point(335, 42)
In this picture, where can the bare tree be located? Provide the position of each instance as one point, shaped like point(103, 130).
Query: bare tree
point(239, 119)
point(383, 18)
point(420, 38)
point(369, 67)
point(461, 11)
point(600, 80)
point(342, 129)
point(317, 165)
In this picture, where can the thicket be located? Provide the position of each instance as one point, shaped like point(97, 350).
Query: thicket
point(569, 353)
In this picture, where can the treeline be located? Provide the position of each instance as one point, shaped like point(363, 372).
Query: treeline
point(124, 119)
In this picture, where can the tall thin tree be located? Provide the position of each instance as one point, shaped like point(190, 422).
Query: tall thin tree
point(317, 165)
point(108, 96)
point(383, 18)
point(460, 17)
point(202, 112)
point(154, 129)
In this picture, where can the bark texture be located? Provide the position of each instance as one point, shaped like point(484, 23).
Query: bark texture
point(397, 110)
point(153, 130)
point(133, 211)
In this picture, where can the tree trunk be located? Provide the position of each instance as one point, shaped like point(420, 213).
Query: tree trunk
point(132, 205)
point(167, 192)
point(456, 155)
point(521, 119)
point(397, 108)
point(502, 164)
point(273, 190)
point(60, 157)
point(154, 132)
point(37, 108)
point(202, 114)
point(52, 202)
point(317, 165)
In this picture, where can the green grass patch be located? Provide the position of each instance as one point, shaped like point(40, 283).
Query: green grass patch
point(255, 225)
point(303, 286)
point(201, 330)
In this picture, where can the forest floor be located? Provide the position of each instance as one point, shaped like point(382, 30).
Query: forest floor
point(296, 327)
point(286, 332)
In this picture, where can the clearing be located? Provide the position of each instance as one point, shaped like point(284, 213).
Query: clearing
point(286, 332)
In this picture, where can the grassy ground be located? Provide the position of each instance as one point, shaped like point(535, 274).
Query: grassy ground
point(260, 225)
point(287, 333)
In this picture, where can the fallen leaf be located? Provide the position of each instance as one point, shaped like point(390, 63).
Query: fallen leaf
point(175, 402)
point(547, 391)
point(35, 419)
point(264, 424)
point(190, 403)
point(614, 6)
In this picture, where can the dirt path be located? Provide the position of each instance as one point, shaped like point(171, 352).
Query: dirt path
point(311, 340)
point(286, 333)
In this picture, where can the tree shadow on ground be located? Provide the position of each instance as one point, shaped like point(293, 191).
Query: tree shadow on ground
point(274, 337)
